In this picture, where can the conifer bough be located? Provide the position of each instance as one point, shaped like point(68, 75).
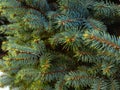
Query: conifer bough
point(60, 45)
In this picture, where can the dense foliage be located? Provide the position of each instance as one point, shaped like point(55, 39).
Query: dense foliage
point(60, 45)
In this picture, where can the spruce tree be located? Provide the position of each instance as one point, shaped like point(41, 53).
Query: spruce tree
point(60, 45)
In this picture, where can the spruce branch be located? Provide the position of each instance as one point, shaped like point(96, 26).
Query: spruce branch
point(101, 40)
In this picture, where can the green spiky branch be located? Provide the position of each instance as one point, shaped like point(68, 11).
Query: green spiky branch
point(67, 48)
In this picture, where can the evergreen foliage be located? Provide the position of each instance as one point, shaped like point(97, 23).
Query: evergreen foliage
point(60, 45)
